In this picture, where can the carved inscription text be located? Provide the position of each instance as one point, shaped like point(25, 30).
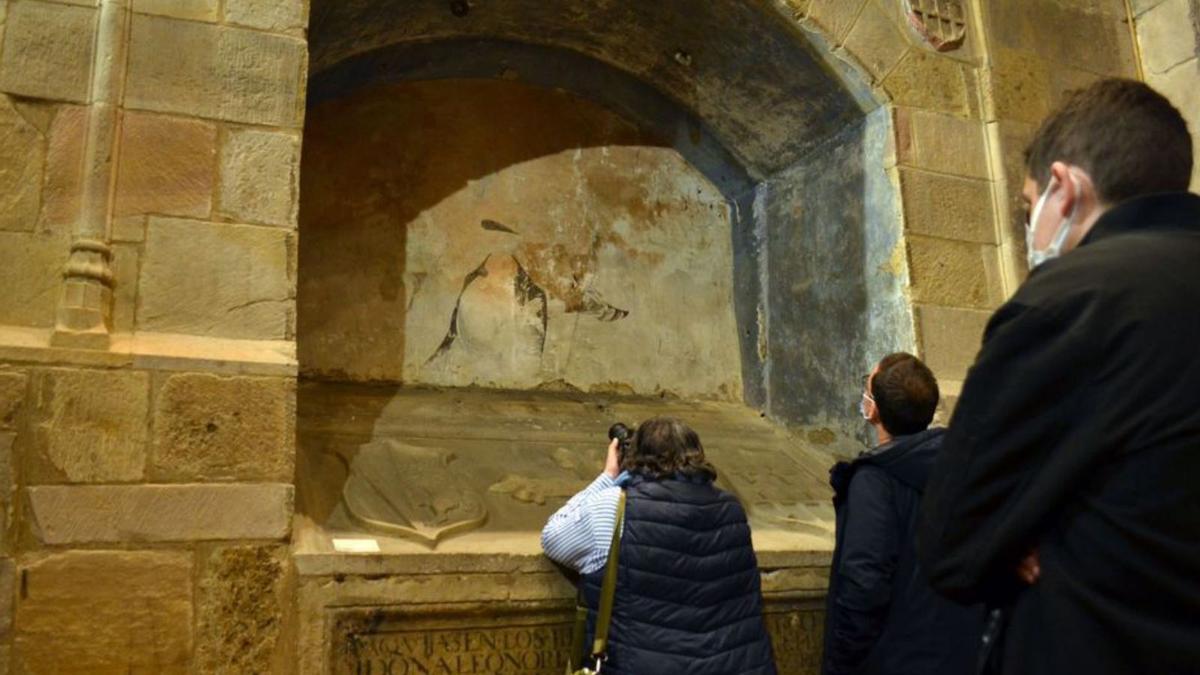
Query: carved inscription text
point(531, 648)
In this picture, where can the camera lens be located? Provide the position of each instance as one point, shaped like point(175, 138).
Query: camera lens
point(619, 432)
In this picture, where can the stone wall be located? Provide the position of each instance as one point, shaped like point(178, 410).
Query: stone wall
point(171, 489)
point(152, 147)
point(949, 257)
point(1026, 56)
point(1168, 34)
point(147, 462)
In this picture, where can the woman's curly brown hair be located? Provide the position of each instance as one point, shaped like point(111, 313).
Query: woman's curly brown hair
point(664, 446)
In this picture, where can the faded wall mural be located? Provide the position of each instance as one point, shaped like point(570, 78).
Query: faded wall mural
point(492, 233)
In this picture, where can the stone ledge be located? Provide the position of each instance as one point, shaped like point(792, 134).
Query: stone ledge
point(84, 514)
point(155, 351)
point(504, 553)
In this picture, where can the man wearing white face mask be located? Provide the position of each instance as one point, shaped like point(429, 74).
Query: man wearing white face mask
point(881, 617)
point(1067, 493)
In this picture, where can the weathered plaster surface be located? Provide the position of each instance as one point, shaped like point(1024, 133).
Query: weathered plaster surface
point(470, 232)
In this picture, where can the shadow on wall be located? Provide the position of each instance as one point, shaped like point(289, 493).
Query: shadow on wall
point(487, 232)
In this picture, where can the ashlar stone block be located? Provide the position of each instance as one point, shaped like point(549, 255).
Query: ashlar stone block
point(213, 279)
point(64, 166)
point(12, 397)
point(953, 273)
point(8, 578)
point(277, 16)
point(260, 177)
point(1095, 35)
point(240, 609)
point(941, 143)
point(1181, 87)
point(88, 426)
point(8, 441)
point(947, 206)
point(166, 166)
point(105, 612)
point(1142, 6)
point(22, 160)
point(224, 428)
point(215, 71)
point(31, 266)
point(950, 338)
point(125, 261)
point(196, 10)
point(876, 41)
point(834, 17)
point(47, 51)
point(109, 514)
point(929, 81)
point(1020, 85)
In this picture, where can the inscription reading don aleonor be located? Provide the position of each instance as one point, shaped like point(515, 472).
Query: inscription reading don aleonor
point(527, 648)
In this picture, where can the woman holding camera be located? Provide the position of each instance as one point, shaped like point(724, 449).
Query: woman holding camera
point(688, 596)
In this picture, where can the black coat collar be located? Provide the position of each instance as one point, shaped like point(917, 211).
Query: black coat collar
point(1163, 211)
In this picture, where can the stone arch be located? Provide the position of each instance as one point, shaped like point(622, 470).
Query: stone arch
point(792, 132)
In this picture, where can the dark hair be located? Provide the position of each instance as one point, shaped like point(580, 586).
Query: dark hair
point(1128, 137)
point(906, 394)
point(663, 446)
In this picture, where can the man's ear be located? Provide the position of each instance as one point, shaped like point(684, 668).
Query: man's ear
point(1067, 187)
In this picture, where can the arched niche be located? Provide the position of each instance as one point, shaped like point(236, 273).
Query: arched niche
point(736, 202)
point(790, 136)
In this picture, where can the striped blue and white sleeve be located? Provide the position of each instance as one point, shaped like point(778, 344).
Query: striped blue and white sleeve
point(579, 534)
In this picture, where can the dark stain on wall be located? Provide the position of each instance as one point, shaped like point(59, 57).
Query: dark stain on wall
point(496, 227)
point(817, 293)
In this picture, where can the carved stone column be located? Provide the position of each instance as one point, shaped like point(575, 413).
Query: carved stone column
point(85, 306)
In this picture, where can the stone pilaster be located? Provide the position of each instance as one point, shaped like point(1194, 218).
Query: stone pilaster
point(85, 309)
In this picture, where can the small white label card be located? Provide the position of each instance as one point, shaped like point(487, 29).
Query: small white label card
point(355, 545)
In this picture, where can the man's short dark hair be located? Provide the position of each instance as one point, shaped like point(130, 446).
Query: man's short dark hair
point(906, 394)
point(663, 446)
point(1128, 137)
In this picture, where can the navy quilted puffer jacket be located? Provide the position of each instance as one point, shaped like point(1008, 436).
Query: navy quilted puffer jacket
point(688, 594)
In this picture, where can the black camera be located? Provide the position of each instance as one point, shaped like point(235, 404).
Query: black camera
point(623, 436)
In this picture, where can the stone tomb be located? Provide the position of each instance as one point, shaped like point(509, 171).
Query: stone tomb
point(453, 487)
point(519, 227)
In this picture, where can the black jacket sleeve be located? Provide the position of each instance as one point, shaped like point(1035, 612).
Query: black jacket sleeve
point(1006, 464)
point(870, 549)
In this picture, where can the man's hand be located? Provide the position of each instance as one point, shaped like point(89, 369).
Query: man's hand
point(612, 463)
point(1030, 568)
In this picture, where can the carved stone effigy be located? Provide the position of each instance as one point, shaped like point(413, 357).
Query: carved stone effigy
point(433, 466)
point(453, 487)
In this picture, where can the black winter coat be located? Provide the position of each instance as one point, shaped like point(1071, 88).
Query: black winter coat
point(1078, 433)
point(688, 598)
point(882, 617)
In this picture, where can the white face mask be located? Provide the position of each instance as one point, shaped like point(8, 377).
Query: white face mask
point(862, 406)
point(1054, 250)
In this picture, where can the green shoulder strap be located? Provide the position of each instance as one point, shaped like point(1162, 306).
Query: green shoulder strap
point(609, 587)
